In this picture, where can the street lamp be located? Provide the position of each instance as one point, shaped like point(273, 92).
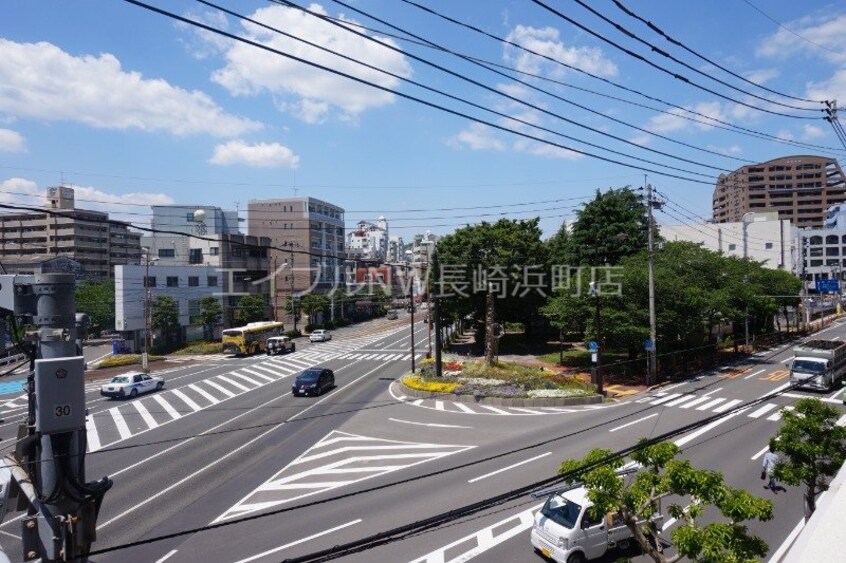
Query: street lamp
point(147, 311)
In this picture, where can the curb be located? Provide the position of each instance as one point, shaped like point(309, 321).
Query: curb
point(504, 401)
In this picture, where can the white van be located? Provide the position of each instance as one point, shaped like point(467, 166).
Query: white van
point(564, 531)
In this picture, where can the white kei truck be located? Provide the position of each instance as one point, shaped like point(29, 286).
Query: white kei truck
point(564, 531)
point(818, 364)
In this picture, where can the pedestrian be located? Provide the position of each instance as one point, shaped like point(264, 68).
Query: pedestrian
point(767, 469)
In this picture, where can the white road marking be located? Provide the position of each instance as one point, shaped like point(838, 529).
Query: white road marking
point(439, 405)
point(485, 539)
point(633, 422)
point(763, 410)
point(211, 398)
point(494, 409)
point(299, 541)
point(726, 406)
point(233, 382)
point(247, 379)
point(680, 400)
point(527, 411)
point(690, 437)
point(695, 402)
point(432, 424)
point(713, 391)
point(465, 408)
point(91, 432)
point(167, 556)
point(518, 464)
point(665, 399)
point(120, 423)
point(709, 404)
point(220, 388)
point(187, 400)
point(751, 375)
point(167, 406)
point(777, 416)
point(759, 454)
point(145, 414)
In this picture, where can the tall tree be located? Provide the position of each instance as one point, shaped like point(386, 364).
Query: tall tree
point(164, 316)
point(609, 227)
point(312, 304)
point(813, 448)
point(211, 313)
point(559, 247)
point(660, 476)
point(97, 300)
point(506, 257)
point(250, 309)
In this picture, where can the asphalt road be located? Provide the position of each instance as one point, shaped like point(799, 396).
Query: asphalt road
point(225, 446)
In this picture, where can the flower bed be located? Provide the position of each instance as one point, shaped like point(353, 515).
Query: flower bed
point(502, 380)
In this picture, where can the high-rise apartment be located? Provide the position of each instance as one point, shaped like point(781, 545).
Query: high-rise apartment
point(85, 237)
point(799, 188)
point(307, 245)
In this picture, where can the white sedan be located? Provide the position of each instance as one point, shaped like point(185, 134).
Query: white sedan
point(131, 385)
point(320, 335)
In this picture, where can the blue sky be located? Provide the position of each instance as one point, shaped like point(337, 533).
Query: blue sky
point(134, 108)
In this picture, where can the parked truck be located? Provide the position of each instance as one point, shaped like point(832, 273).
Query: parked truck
point(566, 531)
point(818, 364)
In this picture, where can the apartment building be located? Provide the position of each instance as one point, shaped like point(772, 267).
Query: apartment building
point(799, 188)
point(368, 241)
point(307, 245)
point(85, 237)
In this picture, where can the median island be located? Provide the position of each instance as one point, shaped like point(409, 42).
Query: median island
point(503, 384)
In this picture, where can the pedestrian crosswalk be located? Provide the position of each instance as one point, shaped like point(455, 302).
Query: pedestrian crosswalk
point(445, 405)
point(130, 418)
point(769, 411)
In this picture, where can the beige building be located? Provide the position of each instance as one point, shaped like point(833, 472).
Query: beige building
point(86, 237)
point(799, 188)
point(307, 246)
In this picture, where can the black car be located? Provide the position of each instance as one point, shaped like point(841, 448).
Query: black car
point(313, 381)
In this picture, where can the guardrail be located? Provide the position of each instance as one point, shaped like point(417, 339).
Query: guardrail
point(12, 359)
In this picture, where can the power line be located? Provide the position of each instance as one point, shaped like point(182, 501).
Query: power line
point(709, 120)
point(465, 78)
point(669, 72)
point(787, 29)
point(661, 32)
point(694, 69)
point(407, 96)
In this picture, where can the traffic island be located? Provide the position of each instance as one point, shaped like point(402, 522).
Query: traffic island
point(500, 384)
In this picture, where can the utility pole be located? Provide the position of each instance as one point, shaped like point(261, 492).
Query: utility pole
point(148, 314)
point(411, 298)
point(805, 251)
point(597, 371)
point(490, 338)
point(273, 289)
point(651, 354)
point(48, 464)
point(429, 307)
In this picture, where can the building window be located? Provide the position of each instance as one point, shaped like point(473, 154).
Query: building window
point(172, 281)
point(150, 281)
point(195, 256)
point(214, 251)
point(768, 245)
point(193, 281)
point(732, 247)
point(236, 252)
point(167, 253)
point(212, 281)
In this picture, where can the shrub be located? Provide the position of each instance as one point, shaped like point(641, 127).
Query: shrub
point(126, 360)
point(293, 333)
point(201, 348)
point(310, 327)
point(572, 392)
point(420, 384)
point(328, 325)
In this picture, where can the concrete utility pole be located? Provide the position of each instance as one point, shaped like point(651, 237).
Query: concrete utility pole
point(49, 461)
point(805, 251)
point(439, 368)
point(651, 355)
point(148, 314)
point(490, 338)
point(597, 373)
point(411, 299)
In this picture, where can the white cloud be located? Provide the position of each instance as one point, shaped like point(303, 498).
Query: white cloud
point(250, 71)
point(673, 121)
point(812, 132)
point(732, 150)
point(40, 81)
point(547, 42)
point(11, 141)
point(263, 155)
point(547, 151)
point(833, 88)
point(477, 137)
point(785, 135)
point(201, 43)
point(821, 35)
point(641, 139)
point(762, 76)
point(21, 191)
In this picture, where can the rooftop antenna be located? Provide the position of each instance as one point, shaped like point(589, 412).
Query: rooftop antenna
point(295, 191)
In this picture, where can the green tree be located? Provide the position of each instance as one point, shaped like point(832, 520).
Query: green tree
point(164, 316)
point(558, 247)
point(813, 448)
point(609, 227)
point(312, 304)
point(211, 313)
point(97, 300)
point(505, 252)
point(250, 309)
point(661, 475)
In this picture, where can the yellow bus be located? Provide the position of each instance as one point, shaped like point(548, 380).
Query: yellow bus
point(250, 338)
